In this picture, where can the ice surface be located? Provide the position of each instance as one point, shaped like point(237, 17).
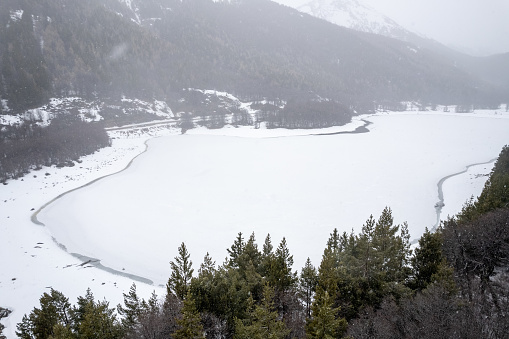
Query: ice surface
point(204, 189)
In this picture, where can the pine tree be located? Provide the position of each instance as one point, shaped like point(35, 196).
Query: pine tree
point(55, 309)
point(392, 251)
point(426, 260)
point(267, 256)
point(207, 267)
point(131, 311)
point(280, 274)
point(181, 273)
point(99, 322)
point(333, 241)
point(251, 253)
point(235, 251)
point(262, 321)
point(383, 240)
point(328, 273)
point(190, 326)
point(61, 332)
point(366, 251)
point(307, 285)
point(324, 323)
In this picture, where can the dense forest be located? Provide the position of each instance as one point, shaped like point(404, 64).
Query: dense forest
point(368, 285)
point(28, 146)
point(252, 49)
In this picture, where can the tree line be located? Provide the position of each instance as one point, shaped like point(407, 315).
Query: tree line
point(28, 146)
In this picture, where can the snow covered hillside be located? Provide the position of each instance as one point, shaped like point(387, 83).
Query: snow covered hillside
point(351, 14)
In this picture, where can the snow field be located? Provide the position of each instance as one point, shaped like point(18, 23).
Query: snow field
point(205, 187)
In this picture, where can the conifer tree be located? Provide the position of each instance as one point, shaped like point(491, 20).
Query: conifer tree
point(426, 260)
point(267, 256)
point(190, 326)
point(61, 332)
point(99, 321)
point(54, 309)
point(324, 323)
point(280, 274)
point(181, 273)
point(207, 267)
point(328, 273)
point(366, 250)
point(333, 242)
point(235, 251)
point(262, 321)
point(251, 253)
point(267, 246)
point(132, 309)
point(307, 285)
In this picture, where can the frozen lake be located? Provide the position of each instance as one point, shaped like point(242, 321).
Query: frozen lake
point(204, 189)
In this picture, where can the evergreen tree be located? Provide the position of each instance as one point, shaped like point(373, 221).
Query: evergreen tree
point(262, 320)
point(40, 324)
point(384, 241)
point(207, 267)
point(324, 323)
point(99, 321)
point(235, 251)
point(307, 285)
point(190, 326)
point(62, 332)
point(426, 260)
point(131, 311)
point(57, 319)
point(280, 274)
point(250, 253)
point(267, 256)
point(495, 193)
point(366, 249)
point(328, 273)
point(333, 242)
point(181, 273)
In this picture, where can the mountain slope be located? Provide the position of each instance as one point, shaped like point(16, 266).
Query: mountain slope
point(356, 15)
point(351, 14)
point(253, 49)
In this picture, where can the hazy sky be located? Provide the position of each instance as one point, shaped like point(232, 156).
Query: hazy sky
point(478, 26)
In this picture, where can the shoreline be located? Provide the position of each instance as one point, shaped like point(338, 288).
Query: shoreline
point(96, 262)
point(440, 204)
point(88, 260)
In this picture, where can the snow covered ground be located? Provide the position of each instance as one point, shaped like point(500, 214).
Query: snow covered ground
point(206, 186)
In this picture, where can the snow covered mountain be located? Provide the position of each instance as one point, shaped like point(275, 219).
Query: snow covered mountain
point(351, 14)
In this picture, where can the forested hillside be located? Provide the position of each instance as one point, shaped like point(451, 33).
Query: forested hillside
point(252, 49)
point(368, 285)
point(292, 70)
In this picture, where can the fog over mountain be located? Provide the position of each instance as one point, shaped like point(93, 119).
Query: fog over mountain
point(479, 28)
point(253, 49)
point(473, 27)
